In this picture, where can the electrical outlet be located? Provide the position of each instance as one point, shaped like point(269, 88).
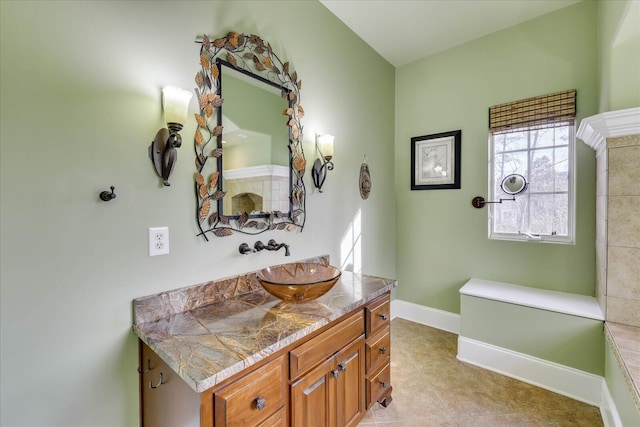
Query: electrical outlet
point(158, 241)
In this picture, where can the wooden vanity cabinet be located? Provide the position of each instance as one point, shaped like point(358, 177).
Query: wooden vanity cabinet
point(328, 379)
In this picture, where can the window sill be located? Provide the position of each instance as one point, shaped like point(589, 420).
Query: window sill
point(523, 238)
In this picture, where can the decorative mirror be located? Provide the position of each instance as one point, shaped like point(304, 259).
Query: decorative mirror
point(513, 184)
point(249, 164)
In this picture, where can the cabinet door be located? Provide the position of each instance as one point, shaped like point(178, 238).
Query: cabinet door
point(350, 384)
point(313, 398)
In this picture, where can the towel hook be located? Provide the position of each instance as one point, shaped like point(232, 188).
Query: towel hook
point(140, 371)
point(106, 196)
point(159, 383)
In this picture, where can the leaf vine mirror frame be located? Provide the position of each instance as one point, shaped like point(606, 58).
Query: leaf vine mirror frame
point(251, 56)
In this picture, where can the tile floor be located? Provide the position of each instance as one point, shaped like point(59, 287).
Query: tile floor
point(432, 388)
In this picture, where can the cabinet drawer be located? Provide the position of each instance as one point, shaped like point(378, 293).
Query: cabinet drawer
point(378, 385)
point(377, 315)
point(279, 419)
point(378, 350)
point(253, 398)
point(309, 354)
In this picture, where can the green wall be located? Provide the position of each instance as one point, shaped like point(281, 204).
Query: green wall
point(619, 57)
point(560, 338)
point(81, 89)
point(442, 239)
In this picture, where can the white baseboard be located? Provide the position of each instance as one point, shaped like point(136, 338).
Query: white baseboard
point(608, 409)
point(433, 317)
point(564, 380)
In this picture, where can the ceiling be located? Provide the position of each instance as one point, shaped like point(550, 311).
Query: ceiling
point(403, 31)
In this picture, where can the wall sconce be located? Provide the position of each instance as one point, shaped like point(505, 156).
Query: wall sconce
point(162, 150)
point(324, 145)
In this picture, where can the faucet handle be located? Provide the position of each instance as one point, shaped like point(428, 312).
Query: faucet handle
point(245, 249)
point(259, 245)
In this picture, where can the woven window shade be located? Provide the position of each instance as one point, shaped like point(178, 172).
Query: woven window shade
point(555, 109)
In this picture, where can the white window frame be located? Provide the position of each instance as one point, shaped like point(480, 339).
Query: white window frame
point(525, 234)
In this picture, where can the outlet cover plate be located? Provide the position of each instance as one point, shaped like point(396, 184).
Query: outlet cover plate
point(158, 241)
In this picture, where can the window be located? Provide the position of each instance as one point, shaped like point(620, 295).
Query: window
point(534, 138)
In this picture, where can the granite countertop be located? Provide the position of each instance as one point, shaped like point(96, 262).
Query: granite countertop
point(209, 343)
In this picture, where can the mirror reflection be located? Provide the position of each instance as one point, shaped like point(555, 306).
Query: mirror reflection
point(513, 184)
point(255, 164)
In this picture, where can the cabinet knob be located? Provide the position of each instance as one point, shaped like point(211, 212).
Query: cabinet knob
point(335, 373)
point(261, 402)
point(383, 316)
point(342, 367)
point(383, 384)
point(383, 350)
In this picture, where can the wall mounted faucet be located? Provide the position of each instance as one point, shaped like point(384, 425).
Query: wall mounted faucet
point(272, 246)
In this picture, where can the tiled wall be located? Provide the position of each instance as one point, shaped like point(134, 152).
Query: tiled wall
point(601, 228)
point(273, 189)
point(618, 230)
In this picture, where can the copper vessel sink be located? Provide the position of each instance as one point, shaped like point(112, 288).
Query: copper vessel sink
point(298, 281)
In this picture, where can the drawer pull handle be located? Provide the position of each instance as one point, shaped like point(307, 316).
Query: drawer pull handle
point(383, 384)
point(342, 367)
point(261, 402)
point(383, 316)
point(383, 350)
point(156, 386)
point(335, 373)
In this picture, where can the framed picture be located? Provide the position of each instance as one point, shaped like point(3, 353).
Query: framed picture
point(435, 161)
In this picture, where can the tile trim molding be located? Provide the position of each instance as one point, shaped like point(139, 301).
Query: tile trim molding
point(595, 130)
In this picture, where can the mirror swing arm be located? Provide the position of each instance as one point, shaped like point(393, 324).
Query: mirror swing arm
point(250, 55)
point(479, 202)
point(512, 185)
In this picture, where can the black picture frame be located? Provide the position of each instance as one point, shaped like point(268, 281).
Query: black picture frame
point(435, 161)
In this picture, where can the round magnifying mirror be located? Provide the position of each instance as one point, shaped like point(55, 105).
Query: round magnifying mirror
point(513, 184)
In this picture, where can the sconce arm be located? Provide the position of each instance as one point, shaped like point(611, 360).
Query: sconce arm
point(328, 163)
